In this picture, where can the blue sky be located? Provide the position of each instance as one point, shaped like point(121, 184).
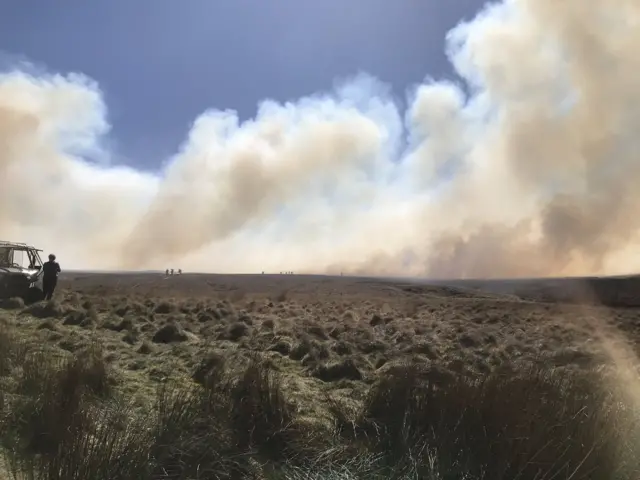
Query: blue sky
point(161, 63)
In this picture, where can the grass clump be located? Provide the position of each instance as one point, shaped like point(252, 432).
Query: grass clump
point(64, 420)
point(63, 417)
point(45, 309)
point(13, 303)
point(531, 425)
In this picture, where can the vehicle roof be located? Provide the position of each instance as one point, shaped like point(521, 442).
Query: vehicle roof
point(18, 246)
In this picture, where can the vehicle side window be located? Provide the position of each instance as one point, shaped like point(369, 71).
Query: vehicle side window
point(5, 257)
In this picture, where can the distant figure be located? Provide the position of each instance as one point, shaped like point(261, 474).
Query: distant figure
point(167, 272)
point(172, 271)
point(50, 271)
point(179, 271)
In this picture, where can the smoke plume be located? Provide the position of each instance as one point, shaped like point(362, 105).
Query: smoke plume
point(527, 167)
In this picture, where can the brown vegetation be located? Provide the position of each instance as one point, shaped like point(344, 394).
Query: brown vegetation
point(225, 377)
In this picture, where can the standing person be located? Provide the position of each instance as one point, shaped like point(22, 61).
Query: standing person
point(50, 270)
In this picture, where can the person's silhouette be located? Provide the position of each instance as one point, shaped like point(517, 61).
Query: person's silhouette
point(50, 271)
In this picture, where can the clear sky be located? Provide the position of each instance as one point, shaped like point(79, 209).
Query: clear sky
point(160, 63)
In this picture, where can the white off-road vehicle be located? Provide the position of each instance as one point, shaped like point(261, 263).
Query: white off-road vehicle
point(20, 272)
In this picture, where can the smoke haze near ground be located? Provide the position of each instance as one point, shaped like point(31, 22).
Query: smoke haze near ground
point(527, 167)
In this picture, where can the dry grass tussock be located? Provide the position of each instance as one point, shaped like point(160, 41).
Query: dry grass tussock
point(62, 418)
point(288, 385)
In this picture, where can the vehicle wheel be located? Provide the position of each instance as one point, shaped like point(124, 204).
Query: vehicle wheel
point(34, 294)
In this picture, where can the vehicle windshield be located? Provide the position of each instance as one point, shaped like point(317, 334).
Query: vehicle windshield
point(21, 259)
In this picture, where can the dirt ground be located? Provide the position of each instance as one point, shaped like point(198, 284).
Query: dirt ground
point(330, 334)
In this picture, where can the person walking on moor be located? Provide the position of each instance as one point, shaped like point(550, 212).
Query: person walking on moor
point(50, 271)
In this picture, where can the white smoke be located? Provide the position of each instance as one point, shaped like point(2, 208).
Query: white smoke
point(528, 167)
